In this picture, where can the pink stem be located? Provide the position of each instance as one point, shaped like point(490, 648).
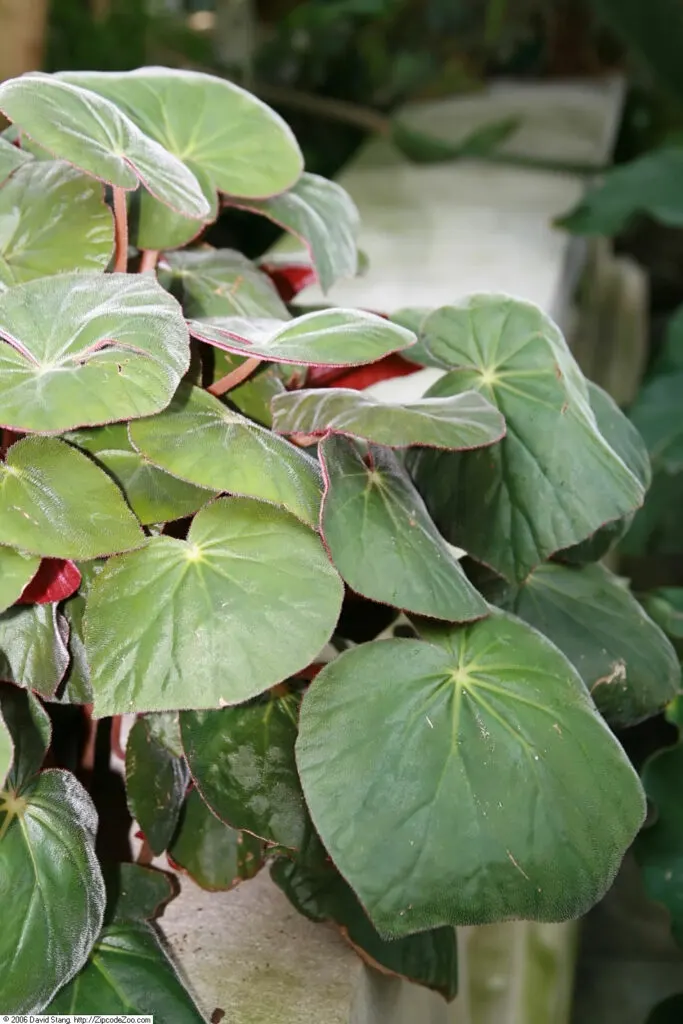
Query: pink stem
point(120, 230)
point(235, 377)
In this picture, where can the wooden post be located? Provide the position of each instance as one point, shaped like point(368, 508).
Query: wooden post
point(22, 40)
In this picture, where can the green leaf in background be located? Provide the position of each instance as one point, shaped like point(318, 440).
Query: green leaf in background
point(17, 569)
point(231, 141)
point(670, 356)
point(460, 421)
point(326, 337)
point(220, 282)
point(215, 855)
point(665, 606)
point(128, 972)
point(135, 893)
point(242, 762)
point(659, 848)
point(81, 349)
point(55, 501)
point(481, 142)
point(624, 659)
point(656, 413)
point(322, 215)
point(95, 136)
point(381, 537)
point(649, 185)
point(11, 157)
point(198, 439)
point(29, 727)
point(33, 647)
point(249, 599)
point(52, 219)
point(483, 783)
point(318, 891)
point(653, 31)
point(156, 781)
point(554, 480)
point(255, 395)
point(77, 688)
point(49, 871)
point(668, 1012)
point(628, 444)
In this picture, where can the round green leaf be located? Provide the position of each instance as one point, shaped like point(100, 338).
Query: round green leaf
point(50, 877)
point(215, 855)
point(91, 133)
point(242, 762)
point(11, 157)
point(220, 282)
point(326, 337)
point(156, 780)
point(229, 139)
point(458, 421)
point(55, 501)
point(52, 219)
point(624, 659)
point(554, 480)
point(17, 569)
point(322, 215)
point(382, 540)
point(80, 349)
point(33, 647)
point(198, 439)
point(128, 972)
point(248, 600)
point(465, 780)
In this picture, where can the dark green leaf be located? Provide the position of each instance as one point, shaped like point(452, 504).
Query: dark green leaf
point(665, 605)
point(483, 782)
point(135, 893)
point(461, 421)
point(17, 569)
point(33, 647)
point(382, 540)
point(670, 357)
point(554, 480)
point(668, 1012)
point(325, 337)
point(623, 658)
point(49, 871)
point(220, 282)
point(324, 217)
point(242, 761)
point(656, 413)
point(29, 726)
point(81, 349)
point(215, 855)
point(55, 501)
point(156, 780)
point(318, 891)
point(200, 440)
point(249, 599)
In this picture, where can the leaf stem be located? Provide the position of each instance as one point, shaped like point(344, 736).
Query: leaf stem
point(235, 377)
point(148, 260)
point(120, 230)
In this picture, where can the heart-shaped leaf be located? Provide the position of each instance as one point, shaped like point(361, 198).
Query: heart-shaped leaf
point(215, 855)
point(17, 569)
point(91, 133)
point(458, 421)
point(33, 647)
point(48, 864)
point(11, 157)
point(624, 659)
point(659, 848)
point(56, 502)
point(650, 185)
point(656, 413)
point(156, 781)
point(200, 440)
point(248, 600)
point(382, 540)
point(322, 215)
point(330, 337)
point(483, 781)
point(554, 480)
point(315, 887)
point(128, 973)
point(242, 762)
point(56, 579)
point(28, 725)
point(229, 139)
point(52, 219)
point(81, 349)
point(220, 282)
